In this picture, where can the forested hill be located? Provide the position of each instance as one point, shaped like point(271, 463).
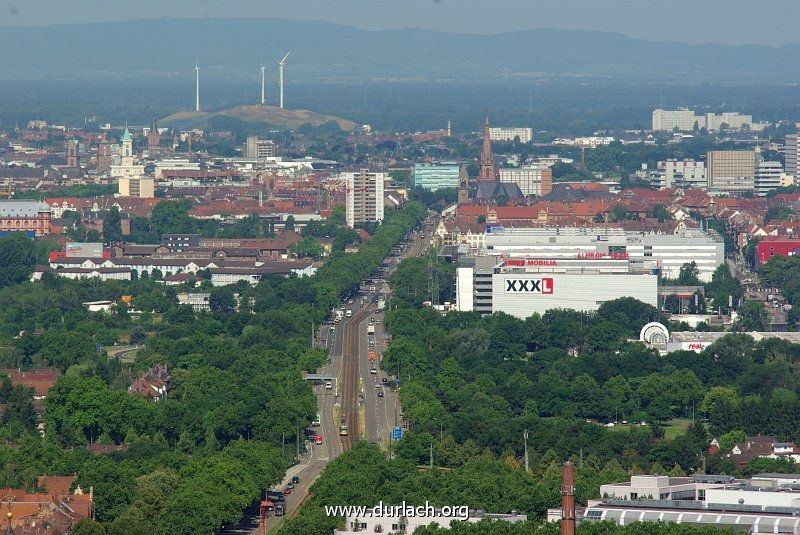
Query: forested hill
point(235, 48)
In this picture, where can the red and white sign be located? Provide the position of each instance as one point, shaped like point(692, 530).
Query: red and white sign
point(694, 346)
point(601, 255)
point(530, 286)
point(521, 262)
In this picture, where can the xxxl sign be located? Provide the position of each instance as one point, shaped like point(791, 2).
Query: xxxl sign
point(530, 286)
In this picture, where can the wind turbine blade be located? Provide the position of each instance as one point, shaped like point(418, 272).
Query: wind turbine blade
point(286, 56)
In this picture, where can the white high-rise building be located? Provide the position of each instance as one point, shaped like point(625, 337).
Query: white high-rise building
point(686, 174)
point(259, 148)
point(364, 197)
point(733, 120)
point(507, 133)
point(682, 119)
point(536, 179)
point(768, 177)
point(791, 153)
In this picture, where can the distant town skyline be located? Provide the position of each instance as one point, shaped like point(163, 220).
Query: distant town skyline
point(699, 21)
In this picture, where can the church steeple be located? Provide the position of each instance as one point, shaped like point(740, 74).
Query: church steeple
point(488, 172)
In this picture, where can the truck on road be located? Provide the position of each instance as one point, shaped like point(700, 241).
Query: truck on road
point(370, 329)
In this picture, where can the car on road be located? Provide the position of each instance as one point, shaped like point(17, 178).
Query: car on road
point(380, 393)
point(290, 485)
point(373, 371)
point(318, 439)
point(295, 480)
point(328, 385)
point(384, 380)
point(287, 490)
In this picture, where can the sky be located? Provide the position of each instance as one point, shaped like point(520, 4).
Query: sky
point(770, 22)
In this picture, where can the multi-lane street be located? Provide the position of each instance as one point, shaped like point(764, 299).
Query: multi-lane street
point(369, 405)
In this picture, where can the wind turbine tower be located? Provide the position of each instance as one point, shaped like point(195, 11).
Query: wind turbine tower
point(263, 94)
point(196, 87)
point(281, 65)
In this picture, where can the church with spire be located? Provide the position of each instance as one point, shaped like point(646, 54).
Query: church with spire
point(153, 137)
point(489, 186)
point(126, 166)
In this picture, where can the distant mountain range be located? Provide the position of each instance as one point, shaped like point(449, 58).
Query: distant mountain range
point(234, 49)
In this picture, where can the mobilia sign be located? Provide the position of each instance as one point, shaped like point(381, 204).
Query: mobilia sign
point(529, 286)
point(521, 262)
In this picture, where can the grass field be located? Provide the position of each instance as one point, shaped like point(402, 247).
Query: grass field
point(676, 427)
point(672, 429)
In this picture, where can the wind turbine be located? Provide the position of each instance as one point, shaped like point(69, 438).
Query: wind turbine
point(196, 87)
point(263, 95)
point(281, 65)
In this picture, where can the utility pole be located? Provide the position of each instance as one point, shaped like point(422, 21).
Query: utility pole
point(313, 327)
point(527, 467)
point(298, 442)
point(431, 455)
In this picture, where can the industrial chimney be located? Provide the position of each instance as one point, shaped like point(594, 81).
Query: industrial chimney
point(568, 499)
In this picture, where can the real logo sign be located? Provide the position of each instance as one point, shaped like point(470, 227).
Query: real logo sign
point(529, 286)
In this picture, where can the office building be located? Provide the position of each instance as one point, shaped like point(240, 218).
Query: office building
point(731, 170)
point(791, 153)
point(685, 120)
point(531, 179)
point(436, 176)
point(684, 174)
point(260, 148)
point(727, 121)
point(682, 119)
point(364, 197)
point(768, 177)
point(142, 187)
point(504, 133)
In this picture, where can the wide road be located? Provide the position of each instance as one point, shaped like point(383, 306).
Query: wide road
point(353, 391)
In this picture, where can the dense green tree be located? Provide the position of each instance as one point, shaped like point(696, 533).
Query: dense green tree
point(112, 227)
point(17, 259)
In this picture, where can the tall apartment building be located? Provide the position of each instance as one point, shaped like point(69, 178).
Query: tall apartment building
point(685, 120)
point(768, 177)
point(733, 120)
point(684, 174)
point(791, 153)
point(731, 170)
point(682, 119)
point(364, 197)
point(142, 187)
point(506, 133)
point(260, 148)
point(436, 176)
point(532, 179)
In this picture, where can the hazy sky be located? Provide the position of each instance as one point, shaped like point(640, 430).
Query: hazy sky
point(692, 21)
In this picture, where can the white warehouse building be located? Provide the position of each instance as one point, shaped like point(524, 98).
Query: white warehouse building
point(647, 252)
point(521, 287)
